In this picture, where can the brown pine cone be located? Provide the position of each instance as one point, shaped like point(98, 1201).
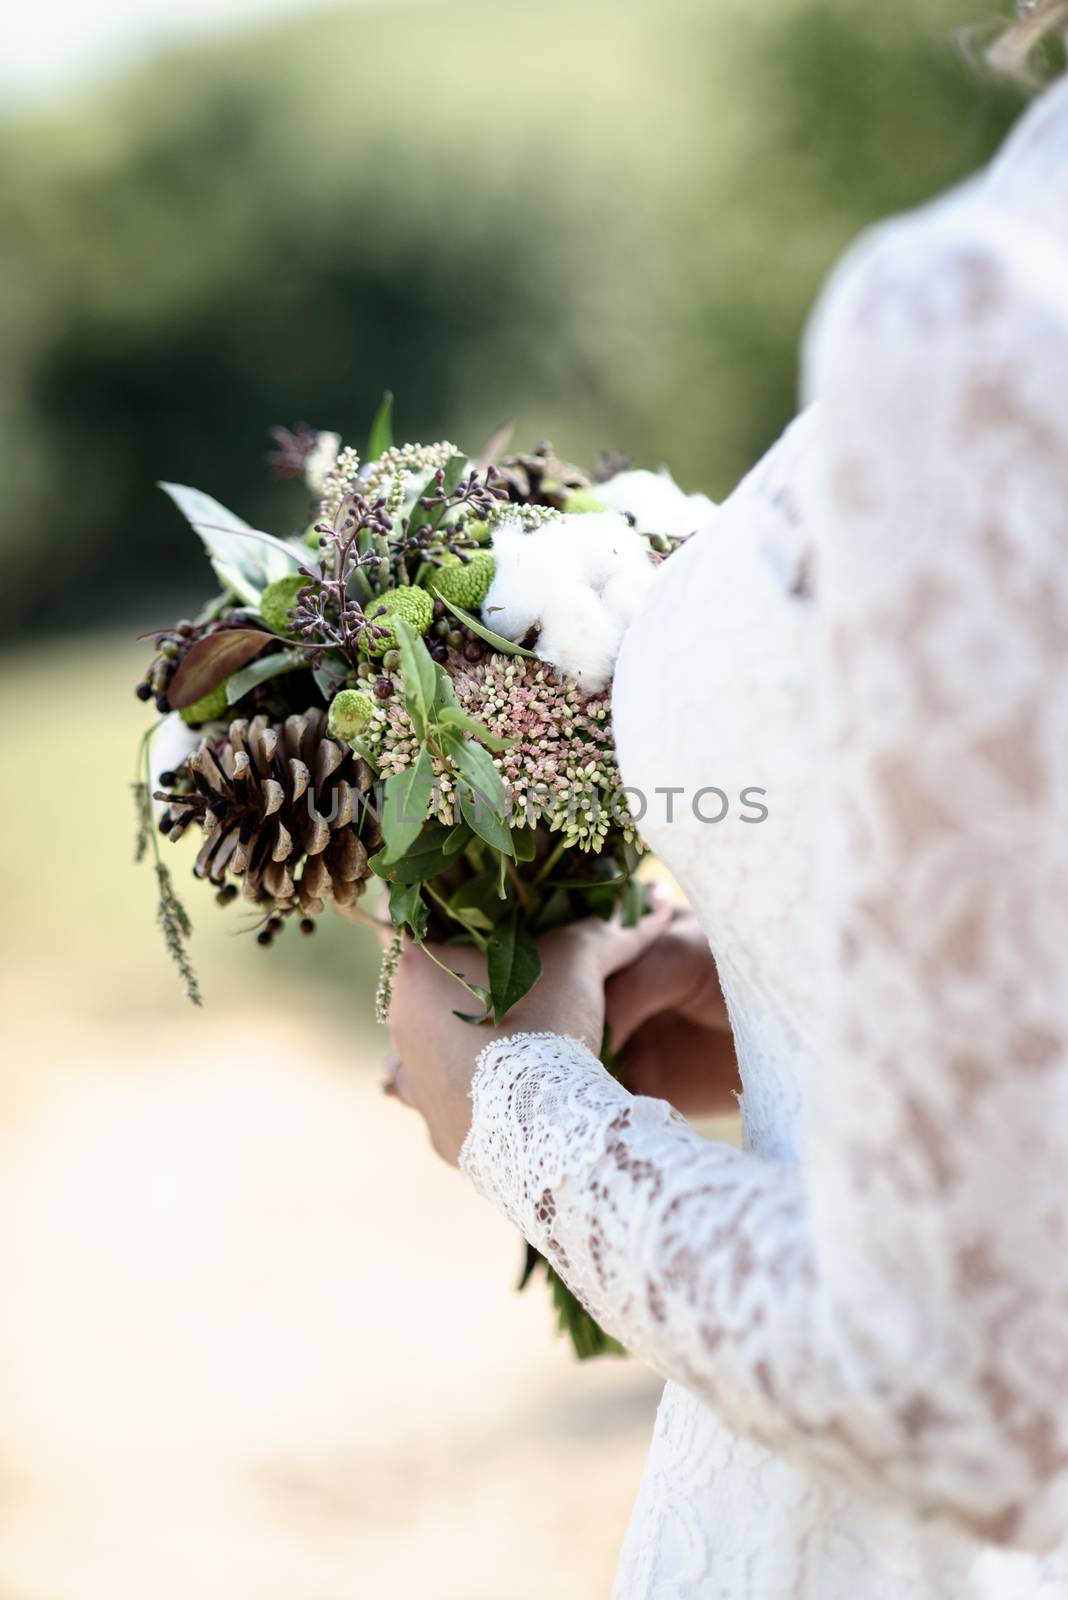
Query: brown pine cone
point(283, 808)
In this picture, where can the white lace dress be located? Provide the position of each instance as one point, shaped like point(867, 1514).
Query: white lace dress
point(863, 1317)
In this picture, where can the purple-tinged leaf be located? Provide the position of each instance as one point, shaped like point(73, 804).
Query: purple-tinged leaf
point(211, 661)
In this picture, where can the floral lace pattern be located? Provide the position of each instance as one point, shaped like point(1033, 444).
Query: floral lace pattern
point(864, 1316)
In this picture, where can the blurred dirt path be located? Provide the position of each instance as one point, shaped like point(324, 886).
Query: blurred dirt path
point(257, 1344)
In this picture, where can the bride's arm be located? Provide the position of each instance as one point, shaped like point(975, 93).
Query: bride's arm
point(896, 1311)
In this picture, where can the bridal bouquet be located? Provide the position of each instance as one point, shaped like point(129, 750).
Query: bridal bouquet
point(411, 692)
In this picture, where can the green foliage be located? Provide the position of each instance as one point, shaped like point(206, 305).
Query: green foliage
point(380, 438)
point(420, 674)
point(513, 964)
point(236, 236)
point(411, 605)
point(583, 500)
point(407, 800)
point(588, 1338)
point(507, 647)
point(463, 583)
point(350, 712)
point(261, 671)
point(278, 599)
point(208, 707)
point(451, 717)
point(246, 561)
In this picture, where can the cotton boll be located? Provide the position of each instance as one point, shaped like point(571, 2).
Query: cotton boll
point(525, 574)
point(656, 502)
point(581, 638)
point(575, 582)
point(600, 543)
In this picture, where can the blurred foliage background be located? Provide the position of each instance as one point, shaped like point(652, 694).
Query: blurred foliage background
point(233, 1282)
point(606, 220)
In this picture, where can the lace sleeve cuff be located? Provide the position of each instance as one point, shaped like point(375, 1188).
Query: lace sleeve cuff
point(541, 1102)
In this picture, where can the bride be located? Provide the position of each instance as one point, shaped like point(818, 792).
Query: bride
point(863, 1316)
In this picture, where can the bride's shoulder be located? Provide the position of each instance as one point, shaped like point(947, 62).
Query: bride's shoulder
point(982, 267)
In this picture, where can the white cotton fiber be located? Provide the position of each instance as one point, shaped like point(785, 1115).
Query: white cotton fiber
point(576, 583)
point(656, 502)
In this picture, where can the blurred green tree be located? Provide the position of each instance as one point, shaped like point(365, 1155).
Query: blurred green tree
point(607, 221)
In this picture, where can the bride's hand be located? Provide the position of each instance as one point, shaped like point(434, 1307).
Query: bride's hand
point(435, 1053)
point(669, 1026)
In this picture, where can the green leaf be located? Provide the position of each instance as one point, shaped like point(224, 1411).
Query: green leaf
point(468, 1016)
point(424, 860)
point(513, 965)
point(380, 438)
point(588, 1338)
point(632, 903)
point(418, 674)
point(555, 912)
point(445, 694)
point(451, 716)
point(211, 661)
point(456, 840)
point(602, 900)
point(483, 821)
point(407, 796)
point(525, 842)
point(478, 894)
point(261, 671)
point(506, 647)
point(245, 560)
point(455, 468)
point(407, 908)
point(477, 769)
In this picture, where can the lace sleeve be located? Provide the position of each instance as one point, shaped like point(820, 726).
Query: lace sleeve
point(895, 1311)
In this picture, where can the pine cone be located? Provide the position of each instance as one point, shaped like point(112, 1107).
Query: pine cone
point(282, 807)
point(540, 478)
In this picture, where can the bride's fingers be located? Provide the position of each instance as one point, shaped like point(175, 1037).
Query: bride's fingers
point(620, 947)
point(675, 1060)
point(676, 974)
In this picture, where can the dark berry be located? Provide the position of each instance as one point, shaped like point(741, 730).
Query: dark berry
point(439, 652)
point(164, 823)
point(307, 926)
point(162, 703)
point(143, 691)
point(275, 925)
point(383, 688)
point(183, 627)
point(227, 893)
point(265, 938)
point(167, 780)
point(472, 651)
point(439, 610)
